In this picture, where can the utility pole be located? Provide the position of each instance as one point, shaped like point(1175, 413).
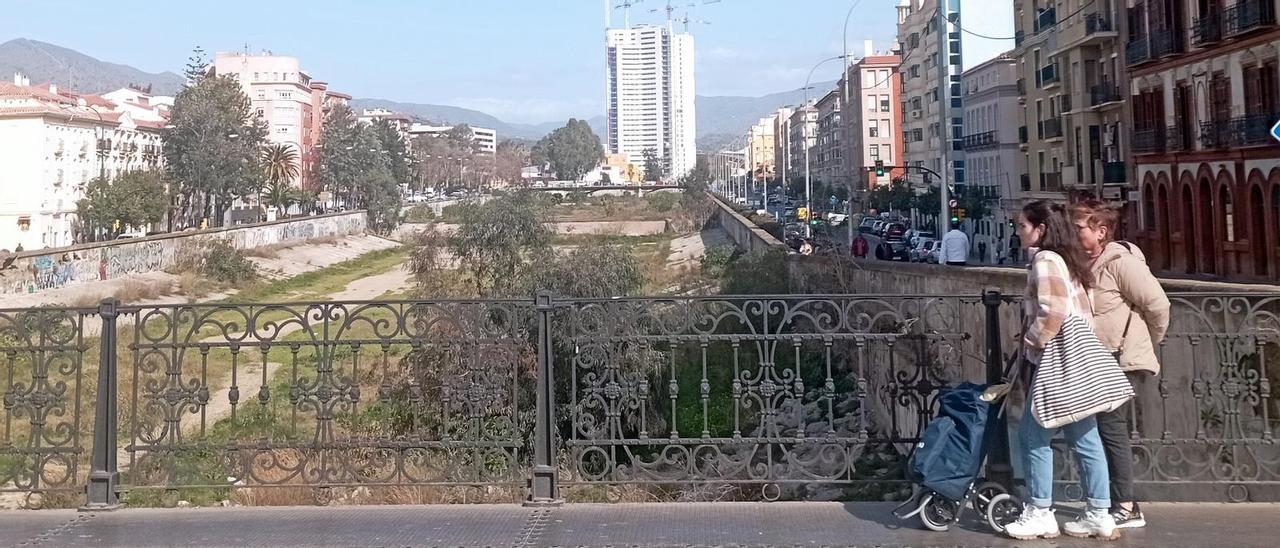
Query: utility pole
point(944, 111)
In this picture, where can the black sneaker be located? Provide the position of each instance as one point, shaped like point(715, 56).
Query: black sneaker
point(1129, 519)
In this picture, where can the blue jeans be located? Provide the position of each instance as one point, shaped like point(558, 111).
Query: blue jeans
point(1037, 456)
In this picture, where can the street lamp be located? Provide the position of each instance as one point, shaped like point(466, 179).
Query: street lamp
point(804, 131)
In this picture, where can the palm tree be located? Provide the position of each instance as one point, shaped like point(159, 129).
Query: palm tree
point(280, 164)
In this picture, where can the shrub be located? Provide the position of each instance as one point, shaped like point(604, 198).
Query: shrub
point(662, 202)
point(717, 260)
point(761, 272)
point(225, 263)
point(421, 213)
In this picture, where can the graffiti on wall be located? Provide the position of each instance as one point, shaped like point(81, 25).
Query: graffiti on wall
point(114, 260)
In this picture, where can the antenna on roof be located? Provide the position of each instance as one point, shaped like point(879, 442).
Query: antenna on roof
point(626, 7)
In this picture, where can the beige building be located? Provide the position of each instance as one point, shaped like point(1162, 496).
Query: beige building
point(782, 142)
point(933, 118)
point(760, 148)
point(994, 161)
point(1071, 70)
point(282, 96)
point(802, 134)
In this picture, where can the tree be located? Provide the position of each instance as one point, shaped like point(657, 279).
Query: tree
point(654, 167)
point(196, 66)
point(593, 271)
point(355, 166)
point(396, 151)
point(134, 199)
point(212, 149)
point(572, 150)
point(510, 160)
point(280, 166)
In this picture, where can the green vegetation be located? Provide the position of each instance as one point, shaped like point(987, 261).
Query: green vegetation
point(572, 150)
point(365, 166)
point(226, 264)
point(421, 213)
point(134, 199)
point(320, 284)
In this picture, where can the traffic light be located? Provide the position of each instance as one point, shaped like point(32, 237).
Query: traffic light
point(958, 214)
point(879, 168)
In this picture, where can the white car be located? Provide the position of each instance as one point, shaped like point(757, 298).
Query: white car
point(837, 219)
point(923, 248)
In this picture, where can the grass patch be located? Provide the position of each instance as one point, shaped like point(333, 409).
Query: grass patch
point(320, 284)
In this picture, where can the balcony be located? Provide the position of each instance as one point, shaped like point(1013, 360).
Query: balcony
point(1025, 182)
point(1022, 134)
point(1137, 52)
point(1247, 16)
point(1104, 94)
point(1045, 19)
point(1095, 23)
point(1051, 182)
point(1166, 42)
point(1177, 138)
point(1251, 130)
point(1047, 76)
point(1214, 134)
point(1206, 30)
point(1114, 173)
point(979, 141)
point(1148, 141)
point(1051, 129)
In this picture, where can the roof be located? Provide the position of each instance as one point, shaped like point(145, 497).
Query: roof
point(11, 90)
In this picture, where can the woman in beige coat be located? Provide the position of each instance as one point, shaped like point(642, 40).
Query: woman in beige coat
point(1130, 316)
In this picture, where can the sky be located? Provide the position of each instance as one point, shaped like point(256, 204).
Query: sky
point(525, 61)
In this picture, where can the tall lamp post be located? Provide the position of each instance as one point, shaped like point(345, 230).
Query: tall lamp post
point(804, 138)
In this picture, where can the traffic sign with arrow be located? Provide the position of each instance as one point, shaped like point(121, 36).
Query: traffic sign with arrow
point(1275, 131)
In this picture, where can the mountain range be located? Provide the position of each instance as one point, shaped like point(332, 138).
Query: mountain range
point(722, 120)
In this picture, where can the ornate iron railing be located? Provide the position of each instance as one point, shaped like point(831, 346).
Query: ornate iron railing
point(1248, 15)
point(752, 397)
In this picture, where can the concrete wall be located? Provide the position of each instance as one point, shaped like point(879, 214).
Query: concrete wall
point(33, 271)
point(744, 233)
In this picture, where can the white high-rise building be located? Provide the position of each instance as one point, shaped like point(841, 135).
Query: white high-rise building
point(650, 95)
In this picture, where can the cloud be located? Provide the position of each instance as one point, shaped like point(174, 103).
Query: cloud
point(533, 110)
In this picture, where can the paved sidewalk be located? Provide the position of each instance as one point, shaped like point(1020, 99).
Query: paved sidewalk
point(595, 525)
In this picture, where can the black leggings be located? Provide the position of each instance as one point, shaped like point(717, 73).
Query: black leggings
point(1113, 428)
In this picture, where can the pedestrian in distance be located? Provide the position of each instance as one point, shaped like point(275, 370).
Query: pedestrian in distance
point(955, 247)
point(1131, 317)
point(982, 252)
point(1058, 311)
point(861, 247)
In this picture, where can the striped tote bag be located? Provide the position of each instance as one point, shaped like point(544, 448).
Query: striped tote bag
point(1077, 377)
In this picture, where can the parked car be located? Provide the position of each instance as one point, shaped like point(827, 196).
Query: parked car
point(837, 219)
point(895, 230)
point(877, 228)
point(914, 235)
point(867, 226)
point(893, 249)
point(922, 249)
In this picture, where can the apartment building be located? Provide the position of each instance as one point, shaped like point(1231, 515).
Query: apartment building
point(802, 134)
point(873, 118)
point(929, 34)
point(994, 162)
point(827, 156)
point(54, 141)
point(282, 97)
point(782, 142)
point(760, 149)
point(650, 99)
point(1071, 69)
point(484, 139)
point(1204, 90)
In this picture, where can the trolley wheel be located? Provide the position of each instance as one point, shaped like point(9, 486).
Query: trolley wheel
point(1003, 510)
point(939, 513)
point(984, 493)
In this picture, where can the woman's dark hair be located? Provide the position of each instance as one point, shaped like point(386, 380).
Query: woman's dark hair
point(1060, 237)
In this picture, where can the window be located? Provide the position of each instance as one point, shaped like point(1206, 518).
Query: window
point(261, 112)
point(917, 135)
point(24, 223)
point(873, 131)
point(262, 94)
point(286, 95)
point(875, 152)
point(884, 103)
point(282, 129)
point(871, 103)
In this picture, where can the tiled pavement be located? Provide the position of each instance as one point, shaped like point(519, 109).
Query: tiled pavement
point(618, 525)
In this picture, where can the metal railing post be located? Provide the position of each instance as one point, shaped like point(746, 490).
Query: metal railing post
point(998, 466)
point(544, 489)
point(100, 492)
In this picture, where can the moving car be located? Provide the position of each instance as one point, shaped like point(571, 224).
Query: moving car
point(867, 226)
point(895, 230)
point(837, 219)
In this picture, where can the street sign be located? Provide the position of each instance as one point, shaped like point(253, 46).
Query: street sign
point(1275, 131)
point(953, 203)
point(833, 200)
point(802, 213)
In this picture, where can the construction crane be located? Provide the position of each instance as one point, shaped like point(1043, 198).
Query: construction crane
point(671, 9)
point(625, 5)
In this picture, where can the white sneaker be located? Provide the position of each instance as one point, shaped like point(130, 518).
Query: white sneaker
point(1094, 523)
point(1033, 523)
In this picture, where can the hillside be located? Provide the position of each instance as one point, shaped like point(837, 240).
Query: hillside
point(43, 62)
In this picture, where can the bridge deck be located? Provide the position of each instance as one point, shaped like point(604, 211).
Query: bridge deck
point(688, 524)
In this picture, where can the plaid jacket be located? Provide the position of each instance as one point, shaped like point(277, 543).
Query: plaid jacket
point(1047, 302)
